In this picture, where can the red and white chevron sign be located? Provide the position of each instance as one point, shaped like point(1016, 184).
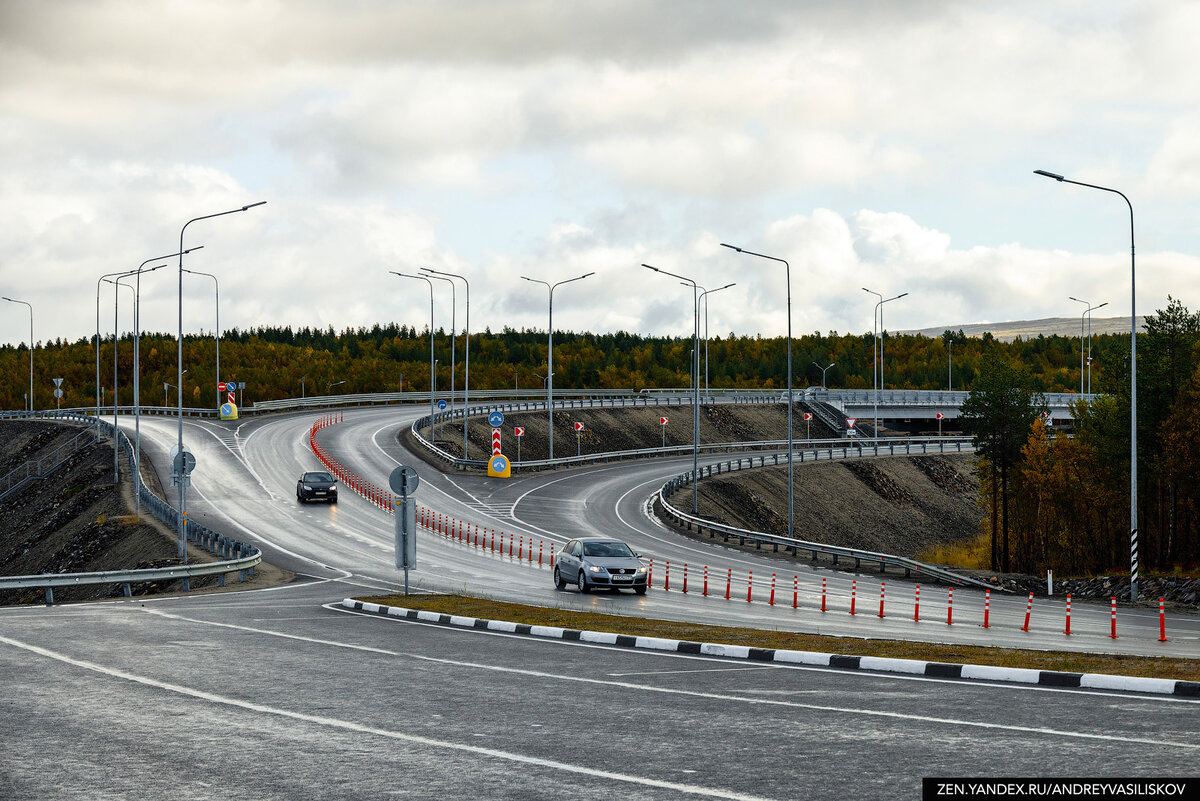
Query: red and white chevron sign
point(495, 442)
point(808, 416)
point(940, 416)
point(519, 431)
point(662, 421)
point(579, 426)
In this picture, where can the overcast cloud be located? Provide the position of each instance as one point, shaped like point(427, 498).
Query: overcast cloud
point(886, 145)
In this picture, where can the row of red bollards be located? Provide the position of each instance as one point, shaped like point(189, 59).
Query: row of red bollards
point(453, 529)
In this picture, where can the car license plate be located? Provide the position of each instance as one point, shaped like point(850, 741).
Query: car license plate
point(622, 579)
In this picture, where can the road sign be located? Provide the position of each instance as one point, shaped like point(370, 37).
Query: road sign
point(58, 393)
point(231, 386)
point(184, 462)
point(495, 442)
point(57, 381)
point(403, 480)
point(940, 416)
point(850, 421)
point(441, 405)
point(579, 426)
point(519, 431)
point(229, 411)
point(499, 467)
point(495, 419)
point(662, 421)
point(808, 416)
point(220, 386)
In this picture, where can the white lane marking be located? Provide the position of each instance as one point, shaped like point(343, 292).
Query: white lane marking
point(706, 695)
point(414, 739)
point(239, 458)
point(701, 670)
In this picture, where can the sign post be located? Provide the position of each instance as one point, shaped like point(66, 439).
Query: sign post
point(519, 431)
point(850, 421)
point(939, 419)
point(808, 422)
point(404, 480)
point(578, 441)
point(58, 393)
point(662, 421)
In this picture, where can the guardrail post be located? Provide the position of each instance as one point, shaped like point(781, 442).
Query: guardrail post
point(185, 584)
point(49, 596)
point(126, 590)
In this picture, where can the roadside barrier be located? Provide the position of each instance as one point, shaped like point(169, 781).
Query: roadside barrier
point(471, 535)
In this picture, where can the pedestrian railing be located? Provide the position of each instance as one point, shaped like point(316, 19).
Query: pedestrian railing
point(40, 468)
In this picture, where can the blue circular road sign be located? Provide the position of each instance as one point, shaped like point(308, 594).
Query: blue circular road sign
point(441, 404)
point(499, 463)
point(230, 386)
point(495, 419)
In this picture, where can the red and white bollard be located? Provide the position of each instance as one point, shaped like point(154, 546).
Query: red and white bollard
point(771, 602)
point(521, 550)
point(1114, 618)
point(987, 607)
point(882, 584)
point(728, 582)
point(685, 576)
point(510, 543)
point(822, 594)
point(795, 592)
point(1162, 622)
point(950, 607)
point(1028, 610)
point(1068, 628)
point(667, 581)
point(650, 575)
point(705, 593)
point(917, 604)
point(749, 586)
point(853, 594)
point(540, 544)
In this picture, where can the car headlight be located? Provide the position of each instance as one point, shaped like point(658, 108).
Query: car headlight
point(641, 570)
point(306, 488)
point(596, 569)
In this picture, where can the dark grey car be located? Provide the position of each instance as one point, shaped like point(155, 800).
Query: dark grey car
point(316, 486)
point(590, 562)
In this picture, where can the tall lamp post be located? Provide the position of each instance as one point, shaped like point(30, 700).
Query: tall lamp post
point(950, 367)
point(116, 282)
point(178, 475)
point(695, 371)
point(30, 305)
point(550, 348)
point(453, 327)
point(791, 441)
point(704, 297)
point(1133, 451)
point(467, 359)
point(137, 382)
point(432, 383)
point(217, 305)
point(877, 320)
point(823, 371)
point(1086, 315)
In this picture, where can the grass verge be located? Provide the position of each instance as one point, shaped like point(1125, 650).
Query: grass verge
point(467, 606)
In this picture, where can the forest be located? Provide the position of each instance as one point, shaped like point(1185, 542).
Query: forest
point(282, 362)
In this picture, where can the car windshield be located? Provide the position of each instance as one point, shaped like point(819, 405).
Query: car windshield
point(319, 477)
point(606, 548)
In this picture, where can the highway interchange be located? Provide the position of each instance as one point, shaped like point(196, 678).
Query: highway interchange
point(280, 693)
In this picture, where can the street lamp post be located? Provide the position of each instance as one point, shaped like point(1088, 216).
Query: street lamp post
point(704, 297)
point(116, 282)
point(823, 371)
point(217, 305)
point(550, 348)
point(30, 305)
point(1133, 451)
point(1086, 315)
point(791, 440)
point(467, 358)
point(694, 368)
point(453, 327)
point(877, 320)
point(432, 409)
point(137, 378)
point(332, 385)
point(178, 475)
point(950, 367)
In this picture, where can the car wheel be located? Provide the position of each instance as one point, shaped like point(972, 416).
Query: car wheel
point(299, 498)
point(640, 590)
point(581, 582)
point(559, 584)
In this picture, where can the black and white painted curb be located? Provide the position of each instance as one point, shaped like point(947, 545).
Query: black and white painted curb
point(1047, 678)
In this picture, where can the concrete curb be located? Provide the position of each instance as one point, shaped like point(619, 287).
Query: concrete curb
point(1046, 678)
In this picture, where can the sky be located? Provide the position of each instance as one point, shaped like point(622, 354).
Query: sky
point(885, 145)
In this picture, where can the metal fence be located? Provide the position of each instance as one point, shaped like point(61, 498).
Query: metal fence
point(40, 468)
point(236, 556)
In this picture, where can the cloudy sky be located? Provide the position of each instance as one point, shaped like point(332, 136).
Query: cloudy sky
point(880, 144)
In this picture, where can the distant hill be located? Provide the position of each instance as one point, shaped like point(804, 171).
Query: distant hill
point(1026, 329)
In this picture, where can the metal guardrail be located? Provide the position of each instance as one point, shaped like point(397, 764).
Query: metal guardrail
point(40, 468)
point(238, 556)
point(858, 450)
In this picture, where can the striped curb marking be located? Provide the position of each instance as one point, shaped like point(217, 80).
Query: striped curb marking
point(1048, 678)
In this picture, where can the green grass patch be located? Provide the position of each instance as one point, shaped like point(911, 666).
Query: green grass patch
point(467, 606)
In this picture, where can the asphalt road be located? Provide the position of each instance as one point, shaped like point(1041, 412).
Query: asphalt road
point(276, 695)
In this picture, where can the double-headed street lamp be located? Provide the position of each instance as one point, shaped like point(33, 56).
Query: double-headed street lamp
point(217, 304)
point(432, 383)
point(877, 348)
point(1133, 451)
point(704, 297)
point(695, 370)
point(550, 348)
point(30, 305)
point(1086, 315)
point(823, 371)
point(791, 441)
point(178, 475)
point(467, 359)
point(453, 327)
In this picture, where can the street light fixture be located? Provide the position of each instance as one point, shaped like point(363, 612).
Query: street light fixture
point(217, 305)
point(432, 384)
point(1133, 451)
point(550, 348)
point(331, 386)
point(823, 371)
point(704, 297)
point(695, 371)
point(178, 475)
point(877, 320)
point(791, 440)
point(467, 359)
point(453, 326)
point(30, 305)
point(1087, 314)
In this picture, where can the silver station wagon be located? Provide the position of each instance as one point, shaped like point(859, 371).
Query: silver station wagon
point(591, 562)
